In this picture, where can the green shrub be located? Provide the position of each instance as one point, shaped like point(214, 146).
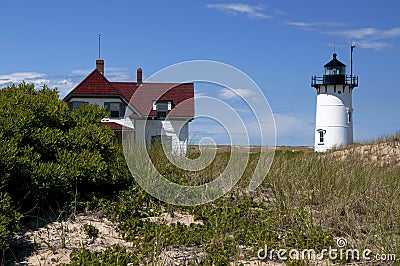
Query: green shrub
point(90, 230)
point(9, 220)
point(51, 155)
point(114, 255)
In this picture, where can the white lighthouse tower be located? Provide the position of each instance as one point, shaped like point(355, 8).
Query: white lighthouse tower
point(334, 115)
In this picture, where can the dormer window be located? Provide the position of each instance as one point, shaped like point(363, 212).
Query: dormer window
point(116, 109)
point(162, 107)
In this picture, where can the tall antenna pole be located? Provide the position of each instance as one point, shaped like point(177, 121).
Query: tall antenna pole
point(353, 45)
point(99, 45)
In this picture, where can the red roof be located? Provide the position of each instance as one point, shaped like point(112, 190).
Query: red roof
point(94, 83)
point(126, 89)
point(181, 95)
point(112, 125)
point(115, 126)
point(141, 96)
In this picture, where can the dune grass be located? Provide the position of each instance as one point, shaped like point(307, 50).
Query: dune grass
point(306, 201)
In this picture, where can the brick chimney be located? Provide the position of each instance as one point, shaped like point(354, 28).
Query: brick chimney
point(100, 65)
point(139, 76)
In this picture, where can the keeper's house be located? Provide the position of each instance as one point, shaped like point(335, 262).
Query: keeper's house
point(153, 111)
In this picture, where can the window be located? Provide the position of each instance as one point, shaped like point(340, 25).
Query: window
point(162, 108)
point(75, 104)
point(332, 71)
point(116, 109)
point(349, 115)
point(321, 134)
point(335, 70)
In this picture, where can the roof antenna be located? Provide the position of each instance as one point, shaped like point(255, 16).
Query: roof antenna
point(99, 44)
point(334, 46)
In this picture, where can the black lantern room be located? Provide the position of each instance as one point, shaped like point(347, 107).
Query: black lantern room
point(334, 74)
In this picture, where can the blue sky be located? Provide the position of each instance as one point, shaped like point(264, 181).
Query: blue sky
point(279, 44)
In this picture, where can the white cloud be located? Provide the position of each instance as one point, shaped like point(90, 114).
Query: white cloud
point(118, 74)
point(63, 83)
point(252, 11)
point(368, 33)
point(312, 25)
point(235, 93)
point(198, 94)
point(355, 33)
point(292, 129)
point(287, 123)
point(30, 77)
point(392, 33)
point(112, 73)
point(369, 38)
point(280, 12)
point(83, 72)
point(373, 45)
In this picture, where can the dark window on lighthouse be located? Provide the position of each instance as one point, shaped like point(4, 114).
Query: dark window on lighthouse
point(321, 134)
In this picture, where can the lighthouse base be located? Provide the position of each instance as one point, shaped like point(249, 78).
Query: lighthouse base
point(330, 137)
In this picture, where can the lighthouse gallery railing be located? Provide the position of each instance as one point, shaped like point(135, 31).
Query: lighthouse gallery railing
point(334, 79)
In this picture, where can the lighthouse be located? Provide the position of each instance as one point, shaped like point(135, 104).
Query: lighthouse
point(334, 113)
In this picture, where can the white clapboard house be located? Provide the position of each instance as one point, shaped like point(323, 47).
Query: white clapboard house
point(152, 111)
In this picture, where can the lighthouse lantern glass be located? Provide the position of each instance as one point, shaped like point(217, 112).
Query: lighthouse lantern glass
point(338, 70)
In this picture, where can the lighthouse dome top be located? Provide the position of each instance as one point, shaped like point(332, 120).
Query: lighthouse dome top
point(334, 62)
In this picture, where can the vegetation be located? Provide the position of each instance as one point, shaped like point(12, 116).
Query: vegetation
point(111, 256)
point(90, 230)
point(306, 202)
point(51, 156)
point(9, 219)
